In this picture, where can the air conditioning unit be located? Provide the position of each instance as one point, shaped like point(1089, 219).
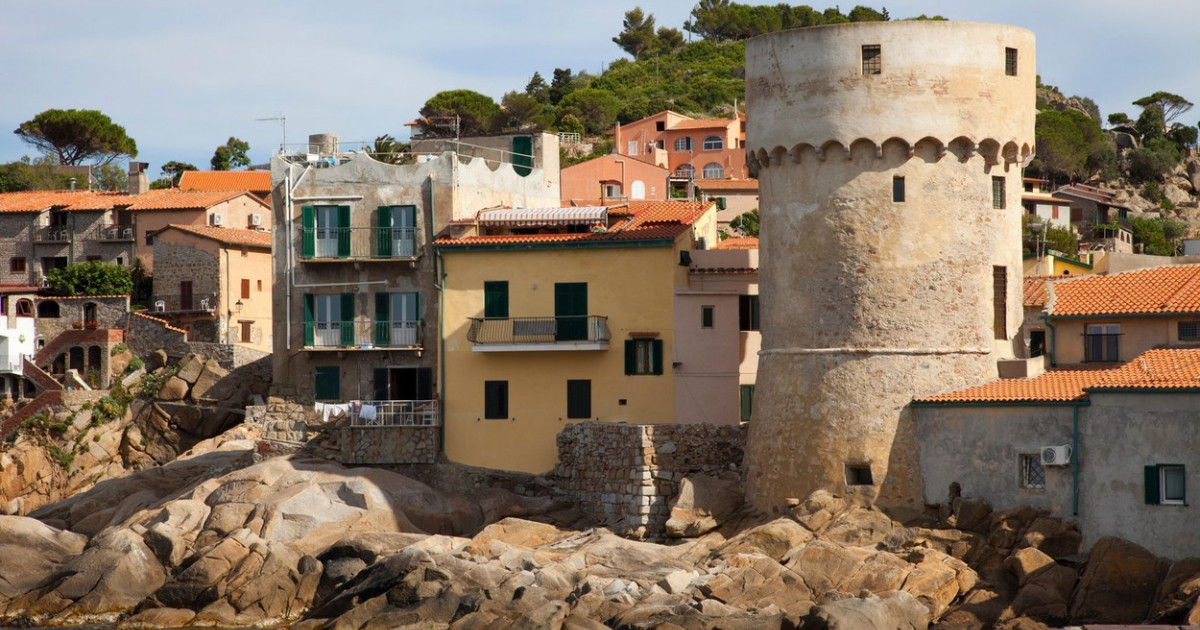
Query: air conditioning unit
point(1056, 455)
point(255, 219)
point(216, 219)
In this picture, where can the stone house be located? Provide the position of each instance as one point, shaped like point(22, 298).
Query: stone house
point(215, 283)
point(1111, 448)
point(554, 316)
point(355, 299)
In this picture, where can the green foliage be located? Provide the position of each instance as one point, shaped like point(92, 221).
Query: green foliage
point(1119, 119)
point(63, 457)
point(389, 150)
point(1168, 104)
point(1039, 237)
point(1152, 161)
point(1070, 145)
point(746, 223)
point(596, 109)
point(34, 174)
point(90, 278)
point(1151, 124)
point(152, 383)
point(638, 38)
point(538, 89)
point(562, 83)
point(466, 112)
point(1152, 190)
point(231, 155)
point(108, 409)
point(171, 172)
point(111, 177)
point(599, 149)
point(118, 349)
point(135, 364)
point(1158, 236)
point(74, 136)
point(520, 111)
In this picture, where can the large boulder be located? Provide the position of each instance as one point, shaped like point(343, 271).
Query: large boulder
point(773, 539)
point(190, 367)
point(174, 389)
point(897, 611)
point(1179, 594)
point(703, 503)
point(31, 552)
point(1045, 586)
point(1119, 583)
point(208, 377)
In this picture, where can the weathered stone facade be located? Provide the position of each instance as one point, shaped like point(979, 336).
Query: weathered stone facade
point(623, 474)
point(388, 445)
point(281, 420)
point(891, 259)
point(148, 333)
point(57, 314)
point(16, 244)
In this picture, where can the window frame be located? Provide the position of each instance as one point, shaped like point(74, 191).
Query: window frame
point(1011, 65)
point(495, 400)
point(579, 399)
point(897, 189)
point(1156, 484)
point(998, 193)
point(708, 316)
point(495, 307)
point(644, 356)
point(1193, 336)
point(1032, 471)
point(872, 59)
point(685, 170)
point(749, 313)
point(18, 264)
point(746, 401)
point(1107, 347)
point(999, 302)
point(713, 143)
point(713, 170)
point(684, 143)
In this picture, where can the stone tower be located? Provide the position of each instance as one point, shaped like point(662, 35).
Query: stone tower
point(889, 159)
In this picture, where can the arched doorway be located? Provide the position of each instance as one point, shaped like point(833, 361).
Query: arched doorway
point(89, 311)
point(47, 308)
point(76, 359)
point(93, 360)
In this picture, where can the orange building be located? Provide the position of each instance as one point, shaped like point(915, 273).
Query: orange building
point(610, 178)
point(709, 148)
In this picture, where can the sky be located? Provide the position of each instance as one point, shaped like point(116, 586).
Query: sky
point(184, 77)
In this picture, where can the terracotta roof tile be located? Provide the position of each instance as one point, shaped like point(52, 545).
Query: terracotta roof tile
point(642, 220)
point(739, 242)
point(703, 123)
point(1053, 386)
point(254, 181)
point(226, 235)
point(175, 199)
point(1160, 368)
point(40, 200)
point(1034, 292)
point(685, 212)
point(726, 184)
point(1158, 290)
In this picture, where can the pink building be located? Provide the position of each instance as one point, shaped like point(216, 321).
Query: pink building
point(610, 178)
point(709, 148)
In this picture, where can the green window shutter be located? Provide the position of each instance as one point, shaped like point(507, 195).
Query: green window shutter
point(383, 329)
point(327, 382)
point(522, 159)
point(747, 399)
point(1151, 473)
point(383, 232)
point(347, 319)
point(630, 356)
point(495, 300)
point(658, 357)
point(309, 334)
point(343, 231)
point(308, 232)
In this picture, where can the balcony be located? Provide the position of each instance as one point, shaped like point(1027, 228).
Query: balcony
point(52, 234)
point(394, 413)
point(524, 334)
point(358, 243)
point(113, 233)
point(183, 302)
point(353, 335)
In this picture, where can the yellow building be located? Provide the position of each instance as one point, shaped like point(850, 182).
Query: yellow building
point(560, 315)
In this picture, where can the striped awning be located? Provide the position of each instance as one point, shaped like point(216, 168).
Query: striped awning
point(532, 217)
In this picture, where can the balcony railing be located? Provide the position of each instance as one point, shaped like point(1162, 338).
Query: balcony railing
point(174, 302)
point(394, 413)
point(364, 336)
point(378, 243)
point(52, 234)
point(113, 233)
point(567, 331)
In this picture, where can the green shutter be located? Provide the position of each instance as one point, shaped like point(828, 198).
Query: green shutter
point(383, 330)
point(495, 299)
point(327, 382)
point(630, 356)
point(308, 320)
point(343, 231)
point(347, 319)
point(658, 357)
point(747, 400)
point(383, 232)
point(1152, 497)
point(522, 159)
point(308, 232)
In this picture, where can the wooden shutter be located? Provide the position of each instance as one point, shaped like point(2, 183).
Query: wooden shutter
point(1151, 479)
point(383, 232)
point(308, 320)
point(657, 345)
point(631, 356)
point(522, 158)
point(383, 327)
point(347, 319)
point(747, 400)
point(308, 232)
point(343, 232)
point(579, 399)
point(495, 299)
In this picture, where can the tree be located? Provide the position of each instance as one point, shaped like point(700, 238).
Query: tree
point(519, 111)
point(638, 38)
point(538, 89)
point(1152, 160)
point(171, 172)
point(1119, 119)
point(231, 155)
point(110, 177)
point(33, 174)
point(1171, 105)
point(1040, 237)
point(459, 113)
point(1158, 236)
point(90, 278)
point(561, 84)
point(595, 108)
point(388, 150)
point(867, 14)
point(77, 135)
point(746, 223)
point(1070, 145)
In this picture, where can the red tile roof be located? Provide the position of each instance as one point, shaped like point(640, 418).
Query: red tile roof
point(739, 242)
point(685, 212)
point(166, 199)
point(40, 200)
point(175, 199)
point(226, 235)
point(1170, 289)
point(727, 184)
point(1035, 292)
point(651, 220)
point(703, 123)
point(253, 181)
point(1156, 369)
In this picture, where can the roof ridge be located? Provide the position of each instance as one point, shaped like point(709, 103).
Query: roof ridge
point(1192, 281)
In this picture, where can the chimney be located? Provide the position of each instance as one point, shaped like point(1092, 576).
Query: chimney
point(139, 182)
point(616, 137)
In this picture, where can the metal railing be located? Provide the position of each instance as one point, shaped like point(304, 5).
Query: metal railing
point(52, 234)
point(394, 413)
point(113, 233)
point(539, 330)
point(12, 366)
point(358, 242)
point(353, 334)
point(171, 302)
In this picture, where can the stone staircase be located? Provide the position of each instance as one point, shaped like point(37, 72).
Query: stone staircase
point(50, 393)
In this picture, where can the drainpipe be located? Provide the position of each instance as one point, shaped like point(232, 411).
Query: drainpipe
point(439, 283)
point(227, 291)
point(1050, 344)
point(1075, 459)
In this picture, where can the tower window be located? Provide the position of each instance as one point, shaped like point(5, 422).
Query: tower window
point(858, 475)
point(1010, 62)
point(998, 193)
point(872, 59)
point(707, 316)
point(898, 189)
point(1000, 302)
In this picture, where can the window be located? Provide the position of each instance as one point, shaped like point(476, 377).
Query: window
point(713, 143)
point(685, 170)
point(712, 170)
point(998, 193)
point(48, 308)
point(495, 299)
point(1101, 342)
point(396, 230)
point(747, 401)
point(1189, 331)
point(24, 308)
point(397, 319)
point(245, 327)
point(612, 191)
point(495, 400)
point(327, 382)
point(260, 286)
point(858, 475)
point(1000, 302)
point(245, 288)
point(660, 125)
point(748, 312)
point(706, 316)
point(1166, 484)
point(579, 399)
point(16, 264)
point(325, 231)
point(872, 59)
point(329, 320)
point(632, 148)
point(643, 356)
point(570, 311)
point(898, 189)
point(1033, 475)
point(683, 144)
point(1010, 62)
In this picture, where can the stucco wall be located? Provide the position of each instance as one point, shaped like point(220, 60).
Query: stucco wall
point(15, 226)
point(234, 212)
point(869, 301)
point(1138, 334)
point(585, 181)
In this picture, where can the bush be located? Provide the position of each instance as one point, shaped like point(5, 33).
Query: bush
point(90, 278)
point(118, 349)
point(135, 364)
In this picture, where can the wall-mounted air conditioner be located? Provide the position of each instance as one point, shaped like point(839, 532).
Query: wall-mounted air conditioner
point(1056, 455)
point(216, 219)
point(255, 219)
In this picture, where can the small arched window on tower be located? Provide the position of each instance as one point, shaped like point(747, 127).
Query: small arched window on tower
point(872, 59)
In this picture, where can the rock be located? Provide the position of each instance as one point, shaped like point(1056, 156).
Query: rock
point(1054, 537)
point(972, 514)
point(936, 580)
point(208, 377)
point(897, 611)
point(1118, 585)
point(189, 368)
point(818, 509)
point(116, 572)
point(1177, 595)
point(774, 539)
point(752, 581)
point(118, 363)
point(156, 618)
point(1008, 525)
point(858, 526)
point(1027, 562)
point(677, 581)
point(32, 552)
point(518, 532)
point(174, 389)
point(978, 610)
point(156, 360)
point(703, 503)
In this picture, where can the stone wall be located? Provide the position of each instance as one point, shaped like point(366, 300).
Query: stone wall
point(281, 420)
point(388, 445)
point(148, 333)
point(623, 474)
point(109, 313)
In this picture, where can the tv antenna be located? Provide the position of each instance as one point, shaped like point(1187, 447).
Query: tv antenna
point(283, 125)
